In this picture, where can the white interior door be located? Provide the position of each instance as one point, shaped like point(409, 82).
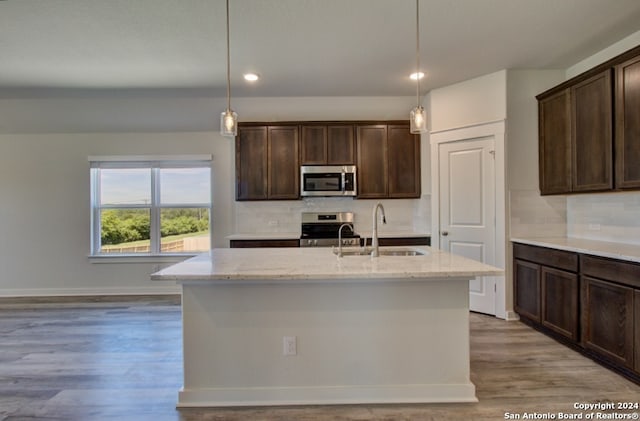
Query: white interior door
point(467, 210)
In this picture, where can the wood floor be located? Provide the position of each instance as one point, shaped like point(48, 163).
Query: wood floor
point(120, 359)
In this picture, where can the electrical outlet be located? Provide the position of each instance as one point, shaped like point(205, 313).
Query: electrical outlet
point(289, 346)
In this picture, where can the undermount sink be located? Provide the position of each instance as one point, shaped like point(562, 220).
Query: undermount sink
point(390, 252)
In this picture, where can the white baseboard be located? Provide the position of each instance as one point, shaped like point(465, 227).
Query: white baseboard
point(326, 395)
point(65, 292)
point(512, 316)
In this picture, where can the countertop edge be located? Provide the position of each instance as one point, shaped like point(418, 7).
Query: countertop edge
point(619, 251)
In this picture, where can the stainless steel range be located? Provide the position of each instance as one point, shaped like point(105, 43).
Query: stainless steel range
point(322, 229)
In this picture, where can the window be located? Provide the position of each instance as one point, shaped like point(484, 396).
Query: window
point(153, 206)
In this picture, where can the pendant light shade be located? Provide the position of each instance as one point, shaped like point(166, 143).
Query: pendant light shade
point(418, 118)
point(418, 115)
point(228, 118)
point(229, 123)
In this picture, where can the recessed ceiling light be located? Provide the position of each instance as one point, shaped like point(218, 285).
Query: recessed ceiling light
point(251, 77)
point(415, 76)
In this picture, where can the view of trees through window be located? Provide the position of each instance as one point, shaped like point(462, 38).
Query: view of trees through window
point(176, 218)
point(129, 230)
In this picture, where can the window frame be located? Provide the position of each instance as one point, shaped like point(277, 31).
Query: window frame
point(154, 164)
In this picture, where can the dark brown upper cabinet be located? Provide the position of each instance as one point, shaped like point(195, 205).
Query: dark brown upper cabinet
point(403, 152)
point(269, 155)
point(267, 162)
point(372, 161)
point(591, 134)
point(555, 143)
point(332, 144)
point(284, 165)
point(388, 162)
point(627, 106)
point(579, 150)
point(251, 163)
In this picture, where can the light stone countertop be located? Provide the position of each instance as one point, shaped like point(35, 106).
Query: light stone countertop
point(621, 251)
point(319, 263)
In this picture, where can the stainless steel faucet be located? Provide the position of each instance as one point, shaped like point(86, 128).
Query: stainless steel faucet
point(374, 235)
point(340, 237)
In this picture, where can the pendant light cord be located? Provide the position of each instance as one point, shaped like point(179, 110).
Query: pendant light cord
point(417, 52)
point(228, 64)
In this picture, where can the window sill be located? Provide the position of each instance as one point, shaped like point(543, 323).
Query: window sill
point(137, 258)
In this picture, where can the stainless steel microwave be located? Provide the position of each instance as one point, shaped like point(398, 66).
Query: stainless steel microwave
point(327, 180)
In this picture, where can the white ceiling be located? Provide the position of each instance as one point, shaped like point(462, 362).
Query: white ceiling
point(299, 47)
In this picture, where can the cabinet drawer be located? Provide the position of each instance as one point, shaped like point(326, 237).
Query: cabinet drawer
point(612, 270)
point(549, 257)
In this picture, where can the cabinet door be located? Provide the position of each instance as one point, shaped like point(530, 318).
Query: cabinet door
point(341, 145)
point(554, 160)
point(283, 168)
point(607, 320)
point(404, 162)
point(591, 134)
point(636, 318)
point(560, 302)
point(313, 149)
point(627, 144)
point(372, 161)
point(251, 163)
point(526, 277)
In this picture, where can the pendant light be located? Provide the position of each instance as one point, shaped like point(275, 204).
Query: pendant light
point(418, 115)
point(228, 119)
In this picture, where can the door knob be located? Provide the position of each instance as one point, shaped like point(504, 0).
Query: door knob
point(445, 233)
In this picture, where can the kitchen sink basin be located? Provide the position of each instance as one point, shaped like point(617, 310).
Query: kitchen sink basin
point(382, 252)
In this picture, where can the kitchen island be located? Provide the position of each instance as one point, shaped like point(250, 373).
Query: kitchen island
point(302, 326)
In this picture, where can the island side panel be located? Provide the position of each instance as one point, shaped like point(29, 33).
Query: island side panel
point(392, 341)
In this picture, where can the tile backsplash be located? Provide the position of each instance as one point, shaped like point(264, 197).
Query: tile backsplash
point(605, 217)
point(533, 215)
point(284, 216)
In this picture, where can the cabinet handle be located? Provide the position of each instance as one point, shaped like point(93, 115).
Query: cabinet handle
point(445, 233)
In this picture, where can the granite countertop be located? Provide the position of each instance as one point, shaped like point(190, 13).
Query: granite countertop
point(621, 251)
point(314, 264)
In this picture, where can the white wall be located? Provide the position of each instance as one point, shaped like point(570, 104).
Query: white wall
point(44, 179)
point(475, 101)
point(600, 57)
point(45, 215)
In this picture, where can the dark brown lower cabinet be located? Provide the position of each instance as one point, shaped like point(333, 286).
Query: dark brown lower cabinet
point(608, 320)
point(527, 289)
point(588, 302)
point(560, 302)
point(546, 288)
point(264, 243)
point(398, 241)
point(636, 316)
